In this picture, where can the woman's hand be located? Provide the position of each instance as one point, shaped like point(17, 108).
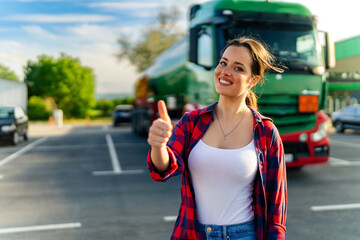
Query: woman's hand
point(159, 134)
point(161, 128)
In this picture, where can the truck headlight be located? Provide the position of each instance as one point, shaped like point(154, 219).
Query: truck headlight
point(8, 128)
point(320, 133)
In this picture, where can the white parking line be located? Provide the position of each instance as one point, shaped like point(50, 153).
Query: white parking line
point(170, 218)
point(337, 162)
point(21, 151)
point(335, 207)
point(348, 144)
point(82, 146)
point(40, 228)
point(115, 162)
point(125, 172)
point(113, 155)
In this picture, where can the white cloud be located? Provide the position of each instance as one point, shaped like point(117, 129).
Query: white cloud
point(112, 75)
point(15, 54)
point(70, 37)
point(59, 18)
point(91, 32)
point(136, 9)
point(336, 17)
point(183, 25)
point(94, 45)
point(39, 32)
point(5, 29)
point(133, 32)
point(125, 5)
point(44, 0)
point(144, 13)
point(97, 34)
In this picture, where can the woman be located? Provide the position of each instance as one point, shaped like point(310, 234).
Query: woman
point(230, 157)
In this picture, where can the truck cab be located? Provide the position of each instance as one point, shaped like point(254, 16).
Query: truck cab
point(183, 74)
point(294, 98)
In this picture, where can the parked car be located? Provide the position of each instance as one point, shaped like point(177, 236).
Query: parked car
point(122, 114)
point(13, 124)
point(346, 118)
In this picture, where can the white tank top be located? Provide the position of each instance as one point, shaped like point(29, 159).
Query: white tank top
point(223, 182)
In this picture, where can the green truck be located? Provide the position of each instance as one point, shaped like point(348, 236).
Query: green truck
point(183, 74)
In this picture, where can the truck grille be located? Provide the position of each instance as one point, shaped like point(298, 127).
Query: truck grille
point(297, 149)
point(283, 110)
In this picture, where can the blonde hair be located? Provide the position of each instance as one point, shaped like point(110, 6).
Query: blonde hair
point(262, 60)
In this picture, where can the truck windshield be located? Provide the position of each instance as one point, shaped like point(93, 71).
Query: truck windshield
point(295, 46)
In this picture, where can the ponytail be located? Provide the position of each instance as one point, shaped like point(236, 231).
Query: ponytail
point(251, 100)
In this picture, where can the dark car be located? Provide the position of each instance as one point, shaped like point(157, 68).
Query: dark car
point(122, 114)
point(346, 118)
point(13, 124)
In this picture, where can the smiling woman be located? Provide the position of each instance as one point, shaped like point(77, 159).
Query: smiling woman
point(246, 61)
point(232, 153)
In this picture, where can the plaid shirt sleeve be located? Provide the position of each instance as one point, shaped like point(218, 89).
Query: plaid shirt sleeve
point(276, 187)
point(176, 148)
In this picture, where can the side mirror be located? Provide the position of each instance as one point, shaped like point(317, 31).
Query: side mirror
point(193, 9)
point(201, 45)
point(193, 45)
point(330, 60)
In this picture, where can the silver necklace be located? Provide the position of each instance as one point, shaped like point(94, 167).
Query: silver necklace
point(222, 130)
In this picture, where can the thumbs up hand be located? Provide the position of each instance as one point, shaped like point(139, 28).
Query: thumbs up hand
point(160, 130)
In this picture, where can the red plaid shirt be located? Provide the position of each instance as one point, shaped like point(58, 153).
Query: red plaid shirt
point(270, 187)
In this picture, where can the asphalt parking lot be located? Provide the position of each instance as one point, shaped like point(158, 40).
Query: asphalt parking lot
point(91, 182)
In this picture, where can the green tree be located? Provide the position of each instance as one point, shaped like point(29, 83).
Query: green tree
point(153, 40)
point(105, 105)
point(65, 80)
point(128, 100)
point(118, 101)
point(38, 108)
point(6, 73)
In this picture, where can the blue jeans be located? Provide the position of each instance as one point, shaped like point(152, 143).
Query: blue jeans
point(243, 231)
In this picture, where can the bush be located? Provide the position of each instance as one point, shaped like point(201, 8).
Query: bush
point(38, 108)
point(118, 101)
point(128, 100)
point(105, 106)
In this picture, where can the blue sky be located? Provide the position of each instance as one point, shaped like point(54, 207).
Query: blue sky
point(88, 29)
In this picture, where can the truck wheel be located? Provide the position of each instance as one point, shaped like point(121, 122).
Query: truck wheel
point(134, 122)
point(139, 129)
point(26, 137)
point(296, 169)
point(15, 139)
point(339, 127)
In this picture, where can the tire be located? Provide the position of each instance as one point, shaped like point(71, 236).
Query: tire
point(15, 139)
point(339, 127)
point(134, 123)
point(296, 169)
point(26, 137)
